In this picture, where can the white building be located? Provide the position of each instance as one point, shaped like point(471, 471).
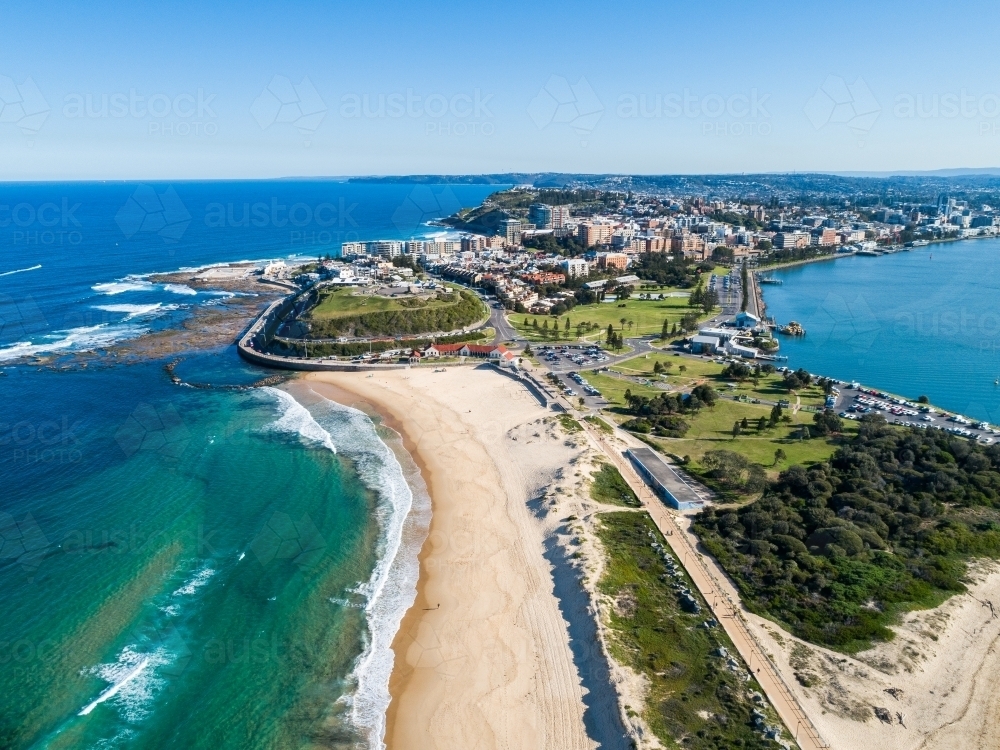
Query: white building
point(573, 267)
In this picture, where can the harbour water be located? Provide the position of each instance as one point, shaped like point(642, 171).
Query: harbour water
point(925, 322)
point(187, 567)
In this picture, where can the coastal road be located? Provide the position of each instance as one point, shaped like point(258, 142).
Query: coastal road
point(727, 612)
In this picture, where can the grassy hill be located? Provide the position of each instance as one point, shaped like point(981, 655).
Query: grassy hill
point(340, 312)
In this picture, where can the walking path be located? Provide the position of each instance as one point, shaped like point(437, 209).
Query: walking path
point(726, 611)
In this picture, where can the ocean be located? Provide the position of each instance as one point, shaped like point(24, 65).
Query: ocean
point(218, 567)
point(924, 322)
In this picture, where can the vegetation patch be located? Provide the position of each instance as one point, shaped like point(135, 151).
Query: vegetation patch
point(700, 695)
point(569, 424)
point(610, 487)
point(340, 313)
point(600, 424)
point(838, 550)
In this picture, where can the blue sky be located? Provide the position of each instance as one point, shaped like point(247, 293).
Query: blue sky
point(255, 90)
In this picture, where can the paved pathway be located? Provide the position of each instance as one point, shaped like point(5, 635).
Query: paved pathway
point(726, 611)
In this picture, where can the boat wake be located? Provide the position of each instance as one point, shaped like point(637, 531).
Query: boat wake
point(21, 270)
point(132, 682)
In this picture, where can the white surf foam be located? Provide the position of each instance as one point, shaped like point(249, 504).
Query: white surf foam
point(124, 285)
point(179, 289)
point(198, 580)
point(403, 515)
point(21, 270)
point(84, 339)
point(138, 311)
point(132, 682)
point(297, 420)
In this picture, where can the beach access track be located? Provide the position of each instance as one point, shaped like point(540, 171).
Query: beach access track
point(727, 612)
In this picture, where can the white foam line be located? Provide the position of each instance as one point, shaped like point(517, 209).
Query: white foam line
point(391, 589)
point(21, 270)
point(296, 419)
point(112, 691)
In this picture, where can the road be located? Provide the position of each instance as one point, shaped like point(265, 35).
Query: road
point(498, 320)
point(726, 612)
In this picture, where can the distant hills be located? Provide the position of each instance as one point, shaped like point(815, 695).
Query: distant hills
point(817, 187)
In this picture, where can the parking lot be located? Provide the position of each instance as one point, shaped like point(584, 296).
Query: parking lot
point(854, 402)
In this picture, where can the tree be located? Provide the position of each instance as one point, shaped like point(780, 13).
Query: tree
point(689, 321)
point(665, 331)
point(923, 400)
point(744, 424)
point(630, 324)
point(736, 429)
point(683, 368)
point(582, 402)
point(611, 334)
point(567, 324)
point(722, 254)
point(623, 321)
point(534, 323)
point(657, 368)
point(545, 324)
point(775, 415)
point(779, 456)
point(761, 424)
point(709, 301)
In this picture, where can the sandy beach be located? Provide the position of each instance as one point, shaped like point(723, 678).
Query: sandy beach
point(483, 658)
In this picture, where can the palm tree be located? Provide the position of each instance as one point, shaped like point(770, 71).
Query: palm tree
point(623, 321)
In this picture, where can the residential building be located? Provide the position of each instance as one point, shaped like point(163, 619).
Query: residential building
point(826, 237)
point(560, 216)
point(544, 277)
point(540, 215)
point(788, 240)
point(574, 267)
point(510, 229)
point(617, 261)
point(385, 248)
point(591, 234)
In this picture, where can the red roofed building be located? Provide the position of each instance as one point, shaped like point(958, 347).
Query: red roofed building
point(499, 353)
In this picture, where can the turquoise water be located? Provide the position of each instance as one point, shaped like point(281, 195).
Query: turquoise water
point(180, 567)
point(925, 322)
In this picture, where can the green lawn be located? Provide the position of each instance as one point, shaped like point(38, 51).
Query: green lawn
point(613, 389)
point(339, 303)
point(768, 388)
point(647, 317)
point(712, 429)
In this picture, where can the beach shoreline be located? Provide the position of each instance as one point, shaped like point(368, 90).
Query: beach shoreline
point(493, 669)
